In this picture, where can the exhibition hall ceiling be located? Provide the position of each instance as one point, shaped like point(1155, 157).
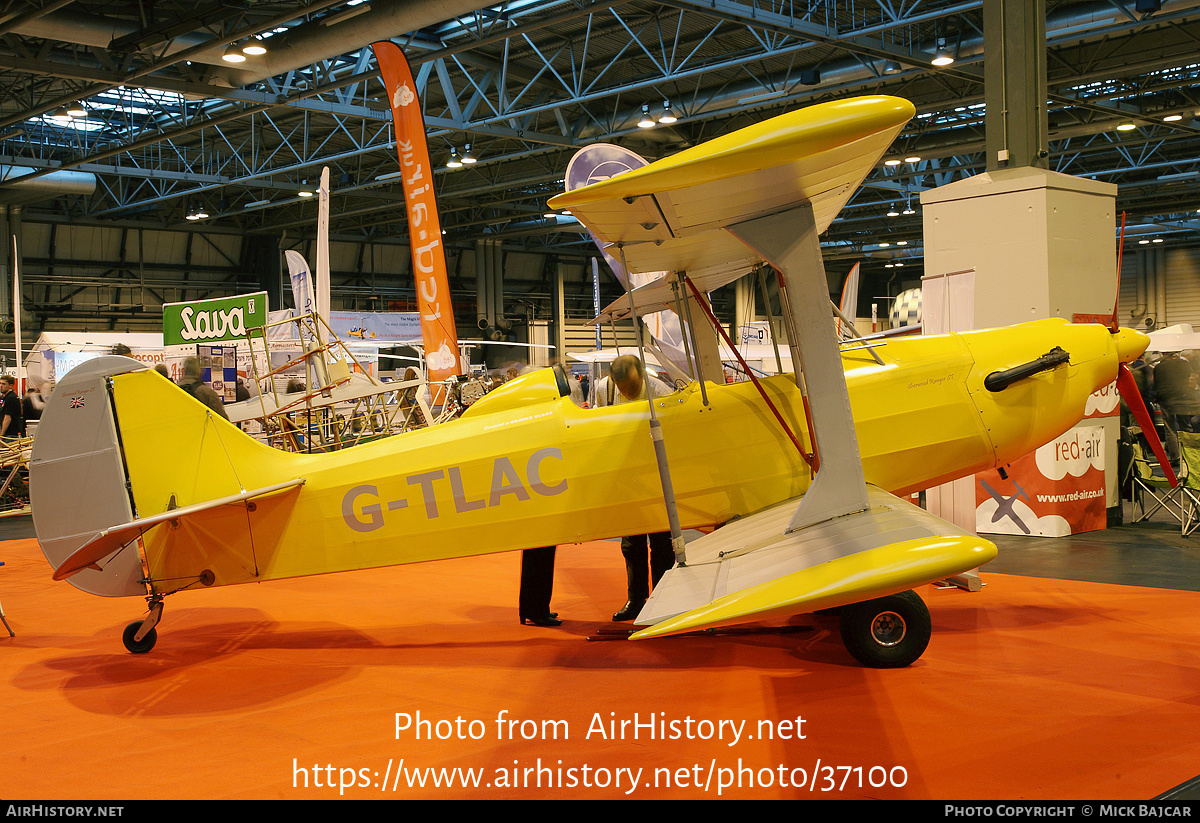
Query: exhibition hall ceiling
point(170, 130)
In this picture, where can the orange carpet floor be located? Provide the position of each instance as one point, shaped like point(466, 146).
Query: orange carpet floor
point(417, 681)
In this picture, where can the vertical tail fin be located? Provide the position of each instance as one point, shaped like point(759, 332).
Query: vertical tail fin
point(119, 443)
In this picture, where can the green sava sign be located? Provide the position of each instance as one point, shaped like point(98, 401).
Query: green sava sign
point(210, 321)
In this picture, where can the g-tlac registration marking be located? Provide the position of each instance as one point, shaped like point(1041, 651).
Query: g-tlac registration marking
point(363, 506)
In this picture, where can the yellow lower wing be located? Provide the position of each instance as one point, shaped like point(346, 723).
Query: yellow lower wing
point(750, 570)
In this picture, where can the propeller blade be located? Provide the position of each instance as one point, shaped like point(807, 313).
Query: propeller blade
point(1127, 386)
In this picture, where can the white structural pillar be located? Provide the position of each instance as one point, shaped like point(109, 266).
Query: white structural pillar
point(1041, 244)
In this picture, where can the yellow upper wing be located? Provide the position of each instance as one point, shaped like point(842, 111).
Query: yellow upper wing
point(670, 215)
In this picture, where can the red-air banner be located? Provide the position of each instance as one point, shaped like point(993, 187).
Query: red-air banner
point(424, 227)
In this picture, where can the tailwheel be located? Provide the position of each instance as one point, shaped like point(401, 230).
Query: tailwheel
point(138, 646)
point(145, 626)
point(888, 632)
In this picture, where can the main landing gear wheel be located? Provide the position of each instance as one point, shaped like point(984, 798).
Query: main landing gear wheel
point(888, 632)
point(138, 646)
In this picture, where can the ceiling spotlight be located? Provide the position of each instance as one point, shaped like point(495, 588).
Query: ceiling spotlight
point(892, 67)
point(892, 211)
point(1126, 125)
point(912, 158)
point(908, 209)
point(1143, 242)
point(233, 54)
point(892, 161)
point(1171, 118)
point(942, 57)
point(647, 122)
point(901, 242)
point(467, 157)
point(254, 47)
point(304, 193)
point(1156, 240)
point(76, 109)
point(61, 117)
point(454, 162)
point(667, 117)
point(197, 214)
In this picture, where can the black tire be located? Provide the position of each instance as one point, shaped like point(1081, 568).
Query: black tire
point(888, 632)
point(147, 642)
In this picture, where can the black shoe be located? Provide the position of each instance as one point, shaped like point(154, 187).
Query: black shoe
point(551, 619)
point(629, 611)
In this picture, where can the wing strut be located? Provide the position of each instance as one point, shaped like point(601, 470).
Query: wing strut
point(762, 284)
point(660, 448)
point(696, 366)
point(789, 241)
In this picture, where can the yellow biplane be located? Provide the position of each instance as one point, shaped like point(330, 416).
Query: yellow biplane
point(138, 490)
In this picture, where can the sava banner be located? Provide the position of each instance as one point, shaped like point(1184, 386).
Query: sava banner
point(210, 321)
point(424, 227)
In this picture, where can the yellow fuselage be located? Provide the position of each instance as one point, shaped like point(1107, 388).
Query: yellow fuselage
point(525, 467)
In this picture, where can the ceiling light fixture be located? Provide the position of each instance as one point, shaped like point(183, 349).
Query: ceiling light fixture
point(467, 157)
point(233, 54)
point(254, 47)
point(61, 117)
point(942, 57)
point(892, 161)
point(1126, 125)
point(647, 122)
point(667, 117)
point(76, 109)
point(892, 211)
point(912, 158)
point(454, 162)
point(892, 67)
point(1171, 118)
